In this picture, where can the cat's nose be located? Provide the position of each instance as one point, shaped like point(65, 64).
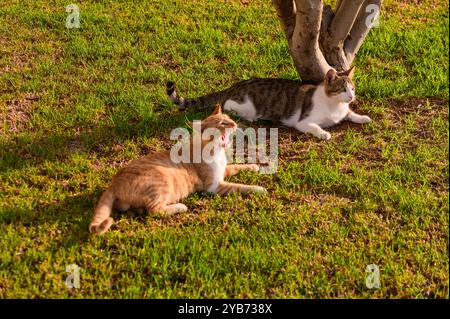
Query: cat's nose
point(351, 97)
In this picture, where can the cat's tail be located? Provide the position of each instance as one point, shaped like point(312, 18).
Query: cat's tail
point(206, 101)
point(102, 220)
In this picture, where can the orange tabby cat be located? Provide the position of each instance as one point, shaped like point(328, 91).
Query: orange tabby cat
point(156, 183)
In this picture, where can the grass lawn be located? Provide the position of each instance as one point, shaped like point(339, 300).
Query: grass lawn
point(77, 104)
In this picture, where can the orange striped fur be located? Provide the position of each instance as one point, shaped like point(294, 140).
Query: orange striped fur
point(156, 183)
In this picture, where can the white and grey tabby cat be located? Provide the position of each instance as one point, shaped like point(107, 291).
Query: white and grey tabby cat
point(308, 108)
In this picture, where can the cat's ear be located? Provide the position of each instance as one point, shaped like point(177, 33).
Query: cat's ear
point(349, 73)
point(331, 75)
point(217, 110)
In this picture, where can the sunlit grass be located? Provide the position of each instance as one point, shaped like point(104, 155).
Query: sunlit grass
point(76, 105)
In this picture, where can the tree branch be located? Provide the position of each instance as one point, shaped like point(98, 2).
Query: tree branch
point(286, 13)
point(320, 39)
point(361, 28)
point(343, 21)
point(337, 32)
point(308, 58)
point(338, 4)
point(327, 16)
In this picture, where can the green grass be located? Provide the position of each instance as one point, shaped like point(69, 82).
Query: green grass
point(76, 105)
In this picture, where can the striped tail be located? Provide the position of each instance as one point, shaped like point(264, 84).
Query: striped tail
point(102, 221)
point(206, 101)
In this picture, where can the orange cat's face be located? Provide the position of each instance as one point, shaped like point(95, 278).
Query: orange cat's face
point(222, 122)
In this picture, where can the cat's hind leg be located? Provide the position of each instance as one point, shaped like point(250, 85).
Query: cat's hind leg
point(167, 210)
point(314, 129)
point(174, 209)
point(121, 206)
point(246, 109)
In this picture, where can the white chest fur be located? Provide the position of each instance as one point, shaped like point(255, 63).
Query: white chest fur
point(217, 166)
point(326, 111)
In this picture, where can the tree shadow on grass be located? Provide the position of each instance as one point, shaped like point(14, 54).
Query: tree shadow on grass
point(71, 217)
point(34, 149)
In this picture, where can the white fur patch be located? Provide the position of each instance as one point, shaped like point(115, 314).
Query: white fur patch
point(291, 121)
point(218, 167)
point(326, 111)
point(245, 110)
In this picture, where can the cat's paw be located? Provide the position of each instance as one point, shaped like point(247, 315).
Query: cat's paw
point(364, 119)
point(179, 208)
point(173, 209)
point(259, 190)
point(253, 167)
point(324, 135)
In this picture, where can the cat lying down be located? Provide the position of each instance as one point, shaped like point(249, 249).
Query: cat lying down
point(156, 183)
point(308, 108)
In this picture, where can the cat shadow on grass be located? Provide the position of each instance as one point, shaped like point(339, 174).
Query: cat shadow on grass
point(33, 149)
point(70, 218)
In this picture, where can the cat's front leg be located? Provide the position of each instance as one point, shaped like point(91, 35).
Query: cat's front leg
point(233, 169)
point(356, 118)
point(227, 188)
point(313, 129)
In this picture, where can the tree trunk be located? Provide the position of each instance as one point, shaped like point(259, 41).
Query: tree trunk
point(320, 38)
point(361, 28)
